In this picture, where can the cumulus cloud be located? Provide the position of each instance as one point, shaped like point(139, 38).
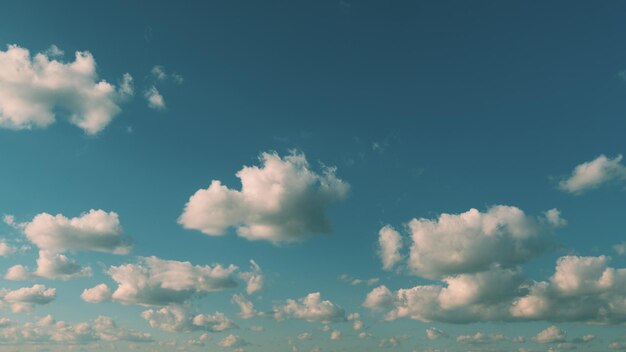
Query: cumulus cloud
point(474, 241)
point(232, 341)
point(95, 230)
point(97, 294)
point(33, 89)
point(592, 174)
point(283, 200)
point(48, 332)
point(390, 243)
point(254, 278)
point(480, 338)
point(582, 289)
point(177, 319)
point(5, 248)
point(26, 298)
point(154, 281)
point(335, 335)
point(355, 318)
point(312, 309)
point(57, 266)
point(154, 98)
point(246, 307)
point(551, 334)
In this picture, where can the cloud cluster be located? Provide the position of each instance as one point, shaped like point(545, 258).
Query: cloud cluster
point(51, 266)
point(312, 309)
point(281, 201)
point(592, 174)
point(48, 331)
point(154, 281)
point(177, 319)
point(582, 289)
point(33, 89)
point(26, 298)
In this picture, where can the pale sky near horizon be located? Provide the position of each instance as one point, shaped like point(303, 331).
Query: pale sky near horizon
point(312, 176)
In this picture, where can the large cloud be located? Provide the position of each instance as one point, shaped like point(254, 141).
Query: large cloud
point(24, 299)
point(154, 281)
point(95, 230)
point(474, 241)
point(582, 289)
point(592, 174)
point(281, 201)
point(33, 89)
point(312, 309)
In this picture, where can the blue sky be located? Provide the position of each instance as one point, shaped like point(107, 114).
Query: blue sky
point(151, 151)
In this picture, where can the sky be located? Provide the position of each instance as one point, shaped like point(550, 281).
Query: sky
point(312, 176)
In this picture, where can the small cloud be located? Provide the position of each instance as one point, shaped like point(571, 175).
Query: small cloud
point(154, 98)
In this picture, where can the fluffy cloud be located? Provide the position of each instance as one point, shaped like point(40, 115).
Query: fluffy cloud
point(154, 98)
point(312, 309)
point(5, 248)
point(154, 281)
point(33, 88)
point(177, 319)
point(96, 230)
point(582, 289)
point(550, 335)
point(592, 174)
point(24, 299)
point(49, 332)
point(281, 201)
point(355, 318)
point(335, 335)
point(474, 241)
point(97, 294)
point(390, 243)
point(232, 341)
point(246, 307)
point(254, 278)
point(480, 338)
point(50, 265)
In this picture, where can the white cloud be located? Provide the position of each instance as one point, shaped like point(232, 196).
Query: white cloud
point(18, 273)
point(24, 299)
point(158, 72)
point(154, 98)
point(57, 266)
point(97, 294)
point(281, 201)
point(480, 338)
point(49, 332)
point(390, 243)
point(5, 248)
point(32, 89)
point(474, 241)
point(254, 278)
point(154, 281)
point(435, 334)
point(312, 309)
point(355, 282)
point(620, 248)
point(232, 341)
point(213, 322)
point(175, 318)
point(592, 174)
point(246, 307)
point(335, 335)
point(551, 334)
point(96, 230)
point(355, 318)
